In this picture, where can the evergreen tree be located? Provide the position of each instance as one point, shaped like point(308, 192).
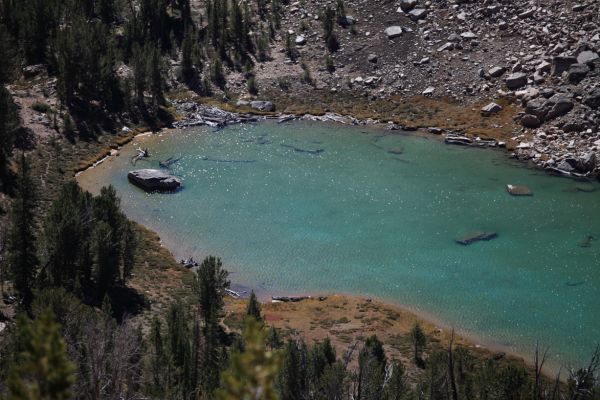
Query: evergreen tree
point(22, 248)
point(328, 25)
point(253, 309)
point(397, 386)
point(211, 282)
point(43, 370)
point(333, 384)
point(66, 232)
point(292, 376)
point(371, 369)
point(8, 122)
point(418, 340)
point(187, 64)
point(8, 55)
point(274, 340)
point(341, 13)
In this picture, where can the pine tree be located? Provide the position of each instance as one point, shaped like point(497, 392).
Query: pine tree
point(328, 24)
point(211, 282)
point(43, 370)
point(66, 231)
point(253, 308)
point(8, 123)
point(396, 386)
point(341, 13)
point(292, 376)
point(371, 369)
point(187, 64)
point(418, 340)
point(22, 248)
point(130, 241)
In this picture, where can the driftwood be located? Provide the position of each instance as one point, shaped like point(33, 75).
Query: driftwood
point(475, 237)
point(198, 114)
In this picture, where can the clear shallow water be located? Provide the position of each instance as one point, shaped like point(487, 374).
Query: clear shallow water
point(287, 217)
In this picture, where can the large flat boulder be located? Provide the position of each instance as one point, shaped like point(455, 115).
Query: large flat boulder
point(153, 180)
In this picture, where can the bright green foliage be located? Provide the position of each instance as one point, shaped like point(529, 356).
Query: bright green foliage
point(43, 371)
point(253, 372)
point(22, 246)
point(418, 340)
point(253, 309)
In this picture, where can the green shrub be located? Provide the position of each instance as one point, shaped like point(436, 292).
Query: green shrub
point(40, 106)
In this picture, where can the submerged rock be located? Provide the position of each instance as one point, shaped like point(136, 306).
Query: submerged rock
point(475, 237)
point(517, 190)
point(153, 180)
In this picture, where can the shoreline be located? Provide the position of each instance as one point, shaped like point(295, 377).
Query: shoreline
point(474, 340)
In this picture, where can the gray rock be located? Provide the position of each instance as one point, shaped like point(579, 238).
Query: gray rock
point(587, 162)
point(153, 180)
point(454, 38)
point(31, 71)
point(417, 14)
point(262, 105)
point(538, 107)
point(447, 46)
point(561, 105)
point(544, 66)
point(408, 5)
point(372, 58)
point(547, 92)
point(577, 72)
point(300, 40)
point(561, 64)
point(468, 35)
point(592, 100)
point(393, 31)
point(587, 57)
point(530, 121)
point(490, 109)
point(516, 80)
point(428, 91)
point(496, 72)
point(565, 166)
point(527, 14)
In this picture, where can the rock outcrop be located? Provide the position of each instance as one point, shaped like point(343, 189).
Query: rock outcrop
point(153, 180)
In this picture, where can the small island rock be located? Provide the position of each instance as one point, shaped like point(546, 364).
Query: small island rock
point(153, 180)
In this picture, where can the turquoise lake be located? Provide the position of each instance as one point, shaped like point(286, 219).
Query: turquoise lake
point(316, 208)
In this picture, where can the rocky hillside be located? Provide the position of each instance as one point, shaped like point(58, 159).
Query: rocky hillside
point(541, 55)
